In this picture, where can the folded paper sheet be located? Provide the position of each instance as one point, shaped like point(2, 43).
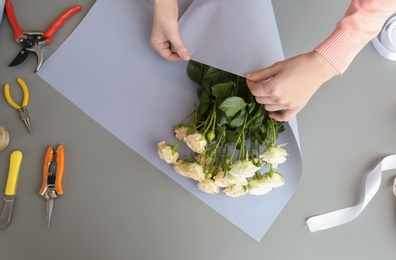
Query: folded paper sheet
point(108, 69)
point(2, 4)
point(238, 36)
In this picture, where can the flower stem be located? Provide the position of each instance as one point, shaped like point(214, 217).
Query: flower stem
point(188, 117)
point(274, 137)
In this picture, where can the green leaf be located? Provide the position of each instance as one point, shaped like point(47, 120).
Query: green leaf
point(204, 103)
point(223, 90)
point(221, 118)
point(239, 119)
point(214, 76)
point(232, 105)
point(231, 136)
point(195, 71)
point(256, 115)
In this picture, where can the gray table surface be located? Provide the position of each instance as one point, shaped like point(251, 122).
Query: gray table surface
point(107, 213)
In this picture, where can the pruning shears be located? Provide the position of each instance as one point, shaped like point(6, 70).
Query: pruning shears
point(51, 188)
point(31, 41)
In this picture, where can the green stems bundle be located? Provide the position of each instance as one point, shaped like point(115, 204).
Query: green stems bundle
point(231, 137)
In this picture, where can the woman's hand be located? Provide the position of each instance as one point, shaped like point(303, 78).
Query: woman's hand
point(288, 85)
point(165, 31)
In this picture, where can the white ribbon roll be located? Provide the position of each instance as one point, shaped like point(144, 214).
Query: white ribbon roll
point(385, 42)
point(394, 187)
point(343, 216)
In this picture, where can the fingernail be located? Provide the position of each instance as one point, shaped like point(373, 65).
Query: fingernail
point(185, 56)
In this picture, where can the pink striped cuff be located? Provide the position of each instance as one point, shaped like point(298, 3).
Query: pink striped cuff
point(339, 49)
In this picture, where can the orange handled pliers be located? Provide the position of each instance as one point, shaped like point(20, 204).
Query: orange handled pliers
point(54, 164)
point(31, 41)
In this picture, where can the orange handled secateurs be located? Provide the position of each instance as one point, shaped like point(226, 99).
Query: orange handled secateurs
point(54, 164)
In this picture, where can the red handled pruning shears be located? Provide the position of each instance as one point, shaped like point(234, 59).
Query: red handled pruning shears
point(32, 40)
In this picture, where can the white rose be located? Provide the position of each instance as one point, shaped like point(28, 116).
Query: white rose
point(224, 181)
point(234, 190)
point(195, 172)
point(259, 187)
point(165, 153)
point(265, 185)
point(243, 168)
point(181, 132)
point(221, 180)
point(275, 181)
point(238, 180)
point(208, 186)
point(196, 142)
point(274, 155)
point(181, 167)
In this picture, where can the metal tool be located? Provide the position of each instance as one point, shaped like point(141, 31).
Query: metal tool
point(54, 164)
point(10, 191)
point(31, 41)
point(23, 111)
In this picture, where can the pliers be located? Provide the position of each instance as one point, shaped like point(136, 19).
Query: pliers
point(23, 111)
point(51, 188)
point(31, 41)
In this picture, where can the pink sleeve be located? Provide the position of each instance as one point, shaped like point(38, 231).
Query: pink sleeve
point(362, 21)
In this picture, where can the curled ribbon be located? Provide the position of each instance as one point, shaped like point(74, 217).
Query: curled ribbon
point(345, 215)
point(385, 42)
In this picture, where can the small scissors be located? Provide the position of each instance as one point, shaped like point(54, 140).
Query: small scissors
point(23, 111)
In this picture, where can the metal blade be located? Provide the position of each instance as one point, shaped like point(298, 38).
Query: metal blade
point(50, 205)
point(40, 56)
point(22, 55)
point(7, 210)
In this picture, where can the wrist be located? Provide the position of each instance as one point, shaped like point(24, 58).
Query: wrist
point(167, 8)
point(327, 68)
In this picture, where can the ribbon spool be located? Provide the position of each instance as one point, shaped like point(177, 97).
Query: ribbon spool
point(385, 41)
point(4, 138)
point(394, 187)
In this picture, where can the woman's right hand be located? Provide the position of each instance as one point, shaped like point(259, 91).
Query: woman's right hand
point(165, 31)
point(289, 84)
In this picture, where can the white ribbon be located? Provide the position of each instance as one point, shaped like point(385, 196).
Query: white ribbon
point(385, 42)
point(345, 215)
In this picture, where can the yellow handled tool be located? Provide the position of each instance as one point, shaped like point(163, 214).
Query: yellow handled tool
point(25, 91)
point(23, 111)
point(13, 173)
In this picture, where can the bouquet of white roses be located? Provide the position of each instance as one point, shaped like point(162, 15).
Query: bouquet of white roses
point(231, 138)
